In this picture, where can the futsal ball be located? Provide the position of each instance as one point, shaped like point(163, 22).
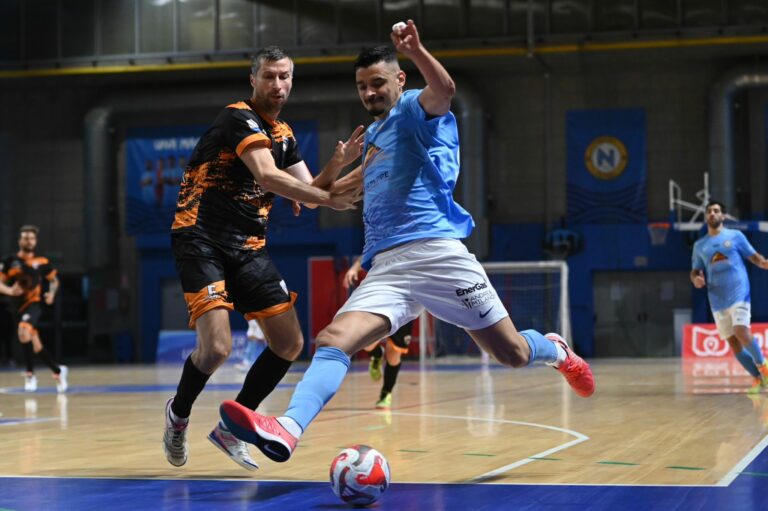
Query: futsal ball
point(359, 475)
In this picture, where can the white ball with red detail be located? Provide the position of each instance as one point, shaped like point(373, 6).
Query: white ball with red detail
point(359, 475)
point(397, 27)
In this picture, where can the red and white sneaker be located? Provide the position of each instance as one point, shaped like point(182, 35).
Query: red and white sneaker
point(262, 431)
point(575, 370)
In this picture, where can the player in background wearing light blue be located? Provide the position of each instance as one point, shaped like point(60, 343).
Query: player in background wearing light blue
point(718, 264)
point(413, 230)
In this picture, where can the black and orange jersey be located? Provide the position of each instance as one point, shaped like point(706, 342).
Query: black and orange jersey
point(29, 273)
point(219, 197)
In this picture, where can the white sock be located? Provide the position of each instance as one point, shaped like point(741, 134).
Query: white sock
point(290, 425)
point(561, 356)
point(175, 418)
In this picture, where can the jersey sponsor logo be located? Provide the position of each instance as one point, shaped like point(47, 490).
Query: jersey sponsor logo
point(471, 289)
point(606, 158)
point(376, 180)
point(254, 125)
point(717, 257)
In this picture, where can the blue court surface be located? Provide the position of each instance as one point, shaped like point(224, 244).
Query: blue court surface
point(748, 492)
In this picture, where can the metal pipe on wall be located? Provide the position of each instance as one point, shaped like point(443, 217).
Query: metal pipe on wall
point(721, 129)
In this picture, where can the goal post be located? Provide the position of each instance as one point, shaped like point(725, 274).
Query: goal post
point(535, 294)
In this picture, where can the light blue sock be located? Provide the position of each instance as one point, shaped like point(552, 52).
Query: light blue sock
point(542, 349)
point(753, 349)
point(321, 381)
point(748, 363)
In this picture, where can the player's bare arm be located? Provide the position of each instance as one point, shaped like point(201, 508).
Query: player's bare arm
point(53, 287)
point(697, 278)
point(759, 261)
point(344, 154)
point(261, 164)
point(436, 96)
point(353, 180)
point(14, 290)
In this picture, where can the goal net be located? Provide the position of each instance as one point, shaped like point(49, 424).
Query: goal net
point(535, 294)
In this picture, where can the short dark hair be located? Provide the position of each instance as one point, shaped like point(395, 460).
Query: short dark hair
point(270, 53)
point(715, 203)
point(29, 228)
point(371, 56)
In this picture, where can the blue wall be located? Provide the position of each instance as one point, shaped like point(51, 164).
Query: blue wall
point(606, 248)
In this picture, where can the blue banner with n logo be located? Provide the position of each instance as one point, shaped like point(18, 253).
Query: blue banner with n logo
point(606, 166)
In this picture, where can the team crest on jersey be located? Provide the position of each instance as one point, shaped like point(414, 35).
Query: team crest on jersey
point(371, 154)
point(719, 256)
point(727, 244)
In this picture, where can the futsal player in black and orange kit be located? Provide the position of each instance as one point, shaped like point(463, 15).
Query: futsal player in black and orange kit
point(219, 235)
point(30, 279)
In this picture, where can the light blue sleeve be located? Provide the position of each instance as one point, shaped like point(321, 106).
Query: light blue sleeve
point(410, 106)
point(697, 262)
point(746, 250)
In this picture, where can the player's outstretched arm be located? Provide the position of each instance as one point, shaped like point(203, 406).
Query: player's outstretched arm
point(436, 96)
point(345, 153)
point(759, 261)
point(14, 290)
point(261, 164)
point(351, 181)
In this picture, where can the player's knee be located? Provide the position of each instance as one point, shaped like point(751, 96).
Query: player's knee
point(214, 354)
point(288, 349)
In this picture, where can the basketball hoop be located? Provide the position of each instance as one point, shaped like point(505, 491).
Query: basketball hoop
point(658, 232)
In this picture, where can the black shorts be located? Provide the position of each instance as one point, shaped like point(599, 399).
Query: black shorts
point(31, 315)
point(213, 276)
point(402, 338)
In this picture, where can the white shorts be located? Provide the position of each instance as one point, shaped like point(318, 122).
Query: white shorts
point(437, 274)
point(740, 313)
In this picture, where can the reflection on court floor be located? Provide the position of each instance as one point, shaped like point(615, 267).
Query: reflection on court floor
point(658, 434)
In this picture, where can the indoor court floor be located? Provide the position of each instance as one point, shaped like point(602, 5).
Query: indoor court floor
point(657, 434)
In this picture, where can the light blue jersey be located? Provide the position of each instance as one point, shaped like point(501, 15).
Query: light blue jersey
point(722, 257)
point(410, 168)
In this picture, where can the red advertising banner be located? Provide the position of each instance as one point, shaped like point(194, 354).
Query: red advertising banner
point(701, 341)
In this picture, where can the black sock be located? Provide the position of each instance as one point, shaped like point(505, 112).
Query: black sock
point(46, 357)
point(262, 378)
point(390, 377)
point(377, 352)
point(27, 349)
point(190, 386)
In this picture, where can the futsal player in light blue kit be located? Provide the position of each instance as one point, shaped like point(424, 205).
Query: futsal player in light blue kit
point(413, 230)
point(718, 264)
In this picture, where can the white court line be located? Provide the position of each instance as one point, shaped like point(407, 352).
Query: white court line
point(741, 465)
point(506, 468)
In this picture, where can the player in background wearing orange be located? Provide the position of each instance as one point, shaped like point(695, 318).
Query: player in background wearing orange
point(30, 279)
point(395, 346)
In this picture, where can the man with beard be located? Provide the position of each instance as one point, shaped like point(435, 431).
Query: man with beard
point(717, 263)
point(30, 279)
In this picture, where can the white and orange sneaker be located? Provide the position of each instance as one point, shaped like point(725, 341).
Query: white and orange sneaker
point(575, 370)
point(264, 432)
